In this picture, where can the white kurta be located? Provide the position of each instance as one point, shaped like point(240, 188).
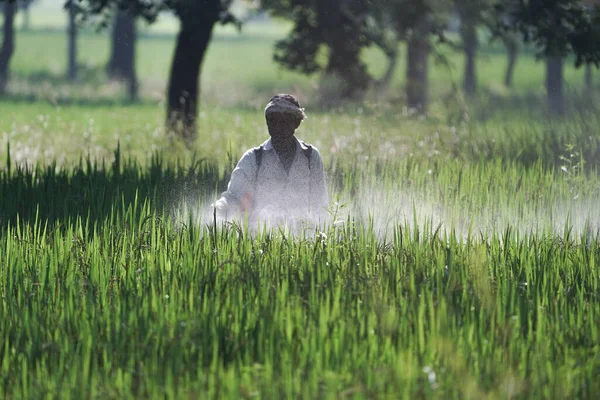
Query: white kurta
point(273, 193)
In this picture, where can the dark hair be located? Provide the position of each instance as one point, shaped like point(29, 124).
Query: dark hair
point(292, 99)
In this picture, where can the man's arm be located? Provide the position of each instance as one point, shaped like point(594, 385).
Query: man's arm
point(240, 184)
point(320, 196)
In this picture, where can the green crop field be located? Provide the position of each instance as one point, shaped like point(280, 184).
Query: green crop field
point(460, 258)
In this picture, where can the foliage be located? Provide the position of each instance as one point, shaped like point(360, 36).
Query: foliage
point(341, 26)
point(405, 15)
point(25, 4)
point(556, 27)
point(149, 10)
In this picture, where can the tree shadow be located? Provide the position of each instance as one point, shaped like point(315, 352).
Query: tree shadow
point(490, 104)
point(85, 74)
point(96, 191)
point(92, 87)
point(535, 134)
point(80, 101)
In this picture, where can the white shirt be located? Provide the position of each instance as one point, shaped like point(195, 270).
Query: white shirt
point(274, 193)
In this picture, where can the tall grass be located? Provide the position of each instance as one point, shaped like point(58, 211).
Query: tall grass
point(107, 293)
point(46, 133)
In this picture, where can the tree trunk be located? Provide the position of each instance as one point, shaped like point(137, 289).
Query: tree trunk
point(384, 83)
point(469, 38)
point(8, 43)
point(417, 72)
point(26, 18)
point(182, 105)
point(589, 81)
point(72, 71)
point(122, 60)
point(345, 64)
point(555, 85)
point(512, 48)
point(340, 34)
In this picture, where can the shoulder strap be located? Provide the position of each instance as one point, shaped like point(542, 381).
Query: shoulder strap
point(307, 153)
point(258, 153)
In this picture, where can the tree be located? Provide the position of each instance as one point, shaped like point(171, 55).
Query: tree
point(418, 48)
point(417, 22)
point(345, 27)
point(555, 83)
point(72, 45)
point(557, 28)
point(468, 33)
point(381, 30)
point(121, 65)
point(497, 23)
point(472, 13)
point(25, 6)
point(197, 19)
point(511, 43)
point(8, 43)
point(341, 26)
point(589, 81)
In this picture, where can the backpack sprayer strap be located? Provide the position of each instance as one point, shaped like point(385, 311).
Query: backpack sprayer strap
point(258, 154)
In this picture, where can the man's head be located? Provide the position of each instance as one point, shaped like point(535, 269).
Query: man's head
point(283, 115)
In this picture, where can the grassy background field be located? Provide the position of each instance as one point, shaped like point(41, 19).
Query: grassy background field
point(460, 259)
point(239, 66)
point(238, 69)
point(239, 75)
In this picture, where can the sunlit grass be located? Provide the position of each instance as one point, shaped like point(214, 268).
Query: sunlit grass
point(106, 292)
point(461, 262)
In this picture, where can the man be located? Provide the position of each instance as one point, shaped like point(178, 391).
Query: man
point(283, 179)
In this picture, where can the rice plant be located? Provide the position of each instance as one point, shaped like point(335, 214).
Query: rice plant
point(432, 281)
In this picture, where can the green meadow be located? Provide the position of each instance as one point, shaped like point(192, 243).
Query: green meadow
point(460, 259)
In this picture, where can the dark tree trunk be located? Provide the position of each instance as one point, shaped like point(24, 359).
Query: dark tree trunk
point(340, 35)
point(182, 105)
point(72, 68)
point(26, 18)
point(345, 64)
point(384, 83)
point(512, 48)
point(122, 60)
point(469, 39)
point(589, 79)
point(417, 85)
point(555, 85)
point(8, 43)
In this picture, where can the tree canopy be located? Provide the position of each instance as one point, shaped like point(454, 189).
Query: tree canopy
point(343, 27)
point(197, 19)
point(555, 27)
point(328, 37)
